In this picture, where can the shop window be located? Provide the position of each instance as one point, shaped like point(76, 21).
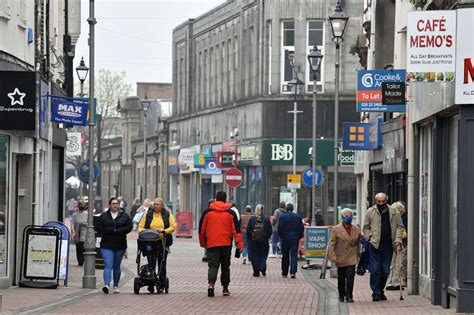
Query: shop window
point(425, 199)
point(3, 205)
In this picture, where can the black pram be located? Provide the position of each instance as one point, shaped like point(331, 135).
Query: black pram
point(149, 242)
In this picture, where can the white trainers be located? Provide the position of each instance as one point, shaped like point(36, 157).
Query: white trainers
point(116, 290)
point(245, 261)
point(272, 256)
point(105, 289)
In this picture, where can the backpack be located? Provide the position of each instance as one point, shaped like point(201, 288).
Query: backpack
point(258, 233)
point(166, 220)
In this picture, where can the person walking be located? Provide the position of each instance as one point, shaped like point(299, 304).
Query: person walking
point(160, 219)
point(217, 231)
point(135, 206)
point(291, 230)
point(344, 252)
point(71, 207)
point(244, 221)
point(114, 225)
point(78, 231)
point(258, 232)
point(383, 229)
point(275, 236)
point(140, 212)
point(394, 277)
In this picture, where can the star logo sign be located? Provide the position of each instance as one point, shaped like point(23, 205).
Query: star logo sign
point(16, 97)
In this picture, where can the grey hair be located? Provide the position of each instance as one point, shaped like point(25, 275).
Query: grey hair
point(346, 210)
point(398, 206)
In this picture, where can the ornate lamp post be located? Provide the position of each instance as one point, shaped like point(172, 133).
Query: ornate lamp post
point(145, 106)
point(315, 59)
point(296, 86)
point(338, 21)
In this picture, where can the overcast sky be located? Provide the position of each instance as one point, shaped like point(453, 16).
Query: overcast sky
point(135, 35)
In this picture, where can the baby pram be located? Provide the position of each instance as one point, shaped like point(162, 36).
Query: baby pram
point(149, 242)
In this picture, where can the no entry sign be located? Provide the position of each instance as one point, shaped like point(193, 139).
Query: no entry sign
point(233, 177)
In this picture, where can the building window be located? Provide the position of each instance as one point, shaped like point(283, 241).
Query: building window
point(269, 57)
point(287, 52)
point(315, 36)
point(3, 205)
point(425, 199)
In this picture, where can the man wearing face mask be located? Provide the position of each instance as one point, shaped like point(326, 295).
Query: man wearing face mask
point(344, 251)
point(383, 229)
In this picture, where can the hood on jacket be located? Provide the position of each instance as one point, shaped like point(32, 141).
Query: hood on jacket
point(220, 206)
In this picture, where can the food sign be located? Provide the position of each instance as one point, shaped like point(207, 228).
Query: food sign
point(431, 46)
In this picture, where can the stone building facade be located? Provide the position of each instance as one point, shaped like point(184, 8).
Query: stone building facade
point(231, 68)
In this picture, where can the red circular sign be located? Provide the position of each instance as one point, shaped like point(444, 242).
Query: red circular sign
point(233, 177)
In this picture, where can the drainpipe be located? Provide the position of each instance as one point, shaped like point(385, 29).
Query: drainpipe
point(411, 200)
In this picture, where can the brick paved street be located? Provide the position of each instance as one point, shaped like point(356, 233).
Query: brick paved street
point(188, 292)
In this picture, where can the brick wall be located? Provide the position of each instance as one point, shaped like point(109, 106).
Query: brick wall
point(154, 90)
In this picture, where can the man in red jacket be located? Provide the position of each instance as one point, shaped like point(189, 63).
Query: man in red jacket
point(217, 231)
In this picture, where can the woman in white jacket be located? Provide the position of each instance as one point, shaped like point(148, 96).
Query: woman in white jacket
point(140, 212)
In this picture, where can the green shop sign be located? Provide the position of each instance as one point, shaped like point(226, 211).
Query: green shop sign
point(280, 152)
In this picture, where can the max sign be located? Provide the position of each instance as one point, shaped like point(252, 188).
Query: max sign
point(69, 111)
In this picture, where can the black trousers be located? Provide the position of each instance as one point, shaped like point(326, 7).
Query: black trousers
point(219, 256)
point(160, 258)
point(80, 253)
point(345, 281)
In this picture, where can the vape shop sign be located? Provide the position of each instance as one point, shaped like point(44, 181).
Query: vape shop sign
point(17, 100)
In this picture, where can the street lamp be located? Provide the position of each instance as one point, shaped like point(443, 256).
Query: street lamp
point(145, 105)
point(296, 86)
point(338, 20)
point(89, 280)
point(82, 72)
point(314, 58)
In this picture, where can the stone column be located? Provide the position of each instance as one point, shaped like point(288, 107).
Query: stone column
point(130, 112)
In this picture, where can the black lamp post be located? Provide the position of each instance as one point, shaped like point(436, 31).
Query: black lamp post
point(145, 106)
point(296, 86)
point(338, 20)
point(315, 59)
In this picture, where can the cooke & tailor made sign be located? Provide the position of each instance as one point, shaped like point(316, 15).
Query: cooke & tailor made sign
point(431, 45)
point(465, 57)
point(17, 100)
point(369, 90)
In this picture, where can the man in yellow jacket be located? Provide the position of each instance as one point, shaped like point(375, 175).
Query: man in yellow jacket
point(160, 219)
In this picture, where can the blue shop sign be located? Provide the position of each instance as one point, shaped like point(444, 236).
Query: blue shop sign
point(357, 136)
point(369, 90)
point(70, 111)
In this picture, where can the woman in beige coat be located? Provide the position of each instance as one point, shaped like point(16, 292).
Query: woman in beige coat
point(344, 252)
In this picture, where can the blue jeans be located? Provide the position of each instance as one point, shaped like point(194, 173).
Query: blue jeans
point(275, 239)
point(380, 260)
point(289, 251)
point(246, 245)
point(112, 260)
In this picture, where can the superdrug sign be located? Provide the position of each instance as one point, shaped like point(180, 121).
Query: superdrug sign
point(17, 100)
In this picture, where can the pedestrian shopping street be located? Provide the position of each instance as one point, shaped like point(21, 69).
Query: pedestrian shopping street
point(306, 294)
